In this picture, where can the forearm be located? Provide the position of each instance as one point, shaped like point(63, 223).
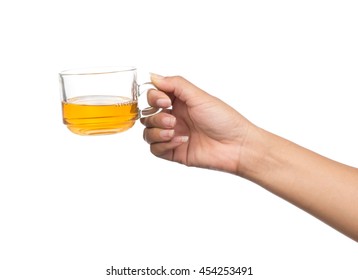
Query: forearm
point(320, 186)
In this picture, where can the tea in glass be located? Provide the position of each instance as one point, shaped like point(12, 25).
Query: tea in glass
point(99, 114)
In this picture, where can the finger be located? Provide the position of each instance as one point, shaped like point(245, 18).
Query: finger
point(165, 150)
point(157, 98)
point(162, 120)
point(179, 86)
point(157, 135)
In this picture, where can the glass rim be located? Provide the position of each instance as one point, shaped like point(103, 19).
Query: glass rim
point(97, 70)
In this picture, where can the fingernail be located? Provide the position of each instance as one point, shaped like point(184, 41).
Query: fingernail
point(181, 139)
point(156, 76)
point(169, 121)
point(167, 133)
point(164, 103)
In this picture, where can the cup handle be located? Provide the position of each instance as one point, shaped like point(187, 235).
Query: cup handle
point(148, 111)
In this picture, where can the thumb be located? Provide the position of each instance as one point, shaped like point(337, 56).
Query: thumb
point(180, 87)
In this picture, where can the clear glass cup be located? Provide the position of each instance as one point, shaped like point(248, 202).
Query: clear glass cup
point(101, 100)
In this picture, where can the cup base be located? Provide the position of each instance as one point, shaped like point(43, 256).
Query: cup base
point(92, 131)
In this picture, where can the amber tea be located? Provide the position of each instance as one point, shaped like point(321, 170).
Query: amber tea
point(91, 104)
point(99, 114)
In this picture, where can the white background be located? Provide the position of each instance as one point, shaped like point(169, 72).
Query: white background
point(71, 206)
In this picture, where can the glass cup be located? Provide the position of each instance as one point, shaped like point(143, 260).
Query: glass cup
point(97, 101)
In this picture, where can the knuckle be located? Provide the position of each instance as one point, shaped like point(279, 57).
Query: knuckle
point(177, 78)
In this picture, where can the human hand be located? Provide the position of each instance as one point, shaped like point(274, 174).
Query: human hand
point(198, 130)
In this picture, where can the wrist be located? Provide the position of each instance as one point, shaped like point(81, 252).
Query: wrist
point(260, 155)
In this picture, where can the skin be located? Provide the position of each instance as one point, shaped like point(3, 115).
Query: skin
point(201, 130)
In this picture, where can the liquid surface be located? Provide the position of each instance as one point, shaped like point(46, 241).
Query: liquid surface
point(93, 115)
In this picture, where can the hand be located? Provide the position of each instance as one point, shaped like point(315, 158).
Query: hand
point(199, 130)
